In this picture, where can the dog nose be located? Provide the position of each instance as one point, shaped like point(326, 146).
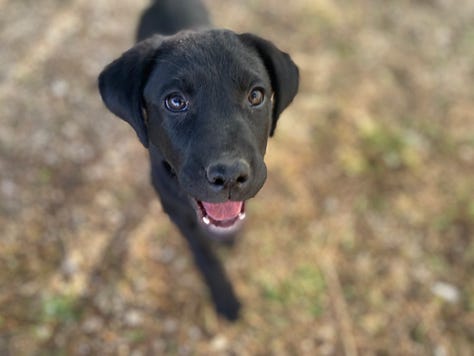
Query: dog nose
point(228, 174)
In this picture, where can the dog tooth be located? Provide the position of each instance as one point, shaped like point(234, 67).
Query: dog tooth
point(206, 220)
point(242, 216)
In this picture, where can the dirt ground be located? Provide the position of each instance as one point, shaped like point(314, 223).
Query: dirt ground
point(360, 243)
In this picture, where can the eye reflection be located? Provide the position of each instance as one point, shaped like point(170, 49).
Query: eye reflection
point(256, 96)
point(176, 103)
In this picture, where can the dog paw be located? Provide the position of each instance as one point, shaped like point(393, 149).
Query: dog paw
point(230, 310)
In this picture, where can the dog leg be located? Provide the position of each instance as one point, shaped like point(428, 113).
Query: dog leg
point(183, 215)
point(222, 292)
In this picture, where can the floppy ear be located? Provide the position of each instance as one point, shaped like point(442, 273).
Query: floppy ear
point(283, 73)
point(121, 84)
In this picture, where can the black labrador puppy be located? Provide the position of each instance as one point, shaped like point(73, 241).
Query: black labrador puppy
point(204, 102)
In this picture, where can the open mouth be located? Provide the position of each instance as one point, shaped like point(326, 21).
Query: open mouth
point(221, 217)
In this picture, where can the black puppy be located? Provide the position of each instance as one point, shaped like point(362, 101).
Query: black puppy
point(204, 102)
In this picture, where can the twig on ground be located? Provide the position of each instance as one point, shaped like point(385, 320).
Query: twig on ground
point(343, 319)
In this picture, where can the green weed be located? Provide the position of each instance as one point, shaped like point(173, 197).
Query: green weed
point(381, 150)
point(135, 336)
point(305, 287)
point(60, 308)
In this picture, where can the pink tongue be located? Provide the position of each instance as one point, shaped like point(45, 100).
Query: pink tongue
point(223, 211)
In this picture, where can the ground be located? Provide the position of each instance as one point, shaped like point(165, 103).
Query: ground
point(360, 243)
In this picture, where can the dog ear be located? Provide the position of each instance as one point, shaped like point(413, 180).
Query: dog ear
point(283, 73)
point(121, 84)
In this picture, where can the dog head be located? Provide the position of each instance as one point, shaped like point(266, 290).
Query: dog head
point(208, 101)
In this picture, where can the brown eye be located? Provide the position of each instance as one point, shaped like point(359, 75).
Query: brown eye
point(256, 96)
point(176, 103)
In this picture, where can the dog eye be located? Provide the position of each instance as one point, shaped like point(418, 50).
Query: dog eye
point(176, 103)
point(256, 96)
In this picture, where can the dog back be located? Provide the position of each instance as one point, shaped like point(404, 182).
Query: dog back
point(167, 17)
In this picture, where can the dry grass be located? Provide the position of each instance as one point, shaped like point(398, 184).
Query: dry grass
point(360, 243)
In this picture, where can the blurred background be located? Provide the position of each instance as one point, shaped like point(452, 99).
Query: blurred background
point(360, 243)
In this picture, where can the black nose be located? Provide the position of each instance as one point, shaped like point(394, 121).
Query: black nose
point(228, 174)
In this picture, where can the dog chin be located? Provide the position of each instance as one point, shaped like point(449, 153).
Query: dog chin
point(221, 219)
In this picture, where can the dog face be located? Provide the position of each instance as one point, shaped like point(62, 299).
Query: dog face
point(208, 101)
point(211, 100)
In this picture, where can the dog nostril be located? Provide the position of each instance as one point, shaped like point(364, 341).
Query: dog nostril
point(216, 176)
point(219, 181)
point(242, 179)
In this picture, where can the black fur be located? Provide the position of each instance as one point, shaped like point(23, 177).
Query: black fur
point(213, 150)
